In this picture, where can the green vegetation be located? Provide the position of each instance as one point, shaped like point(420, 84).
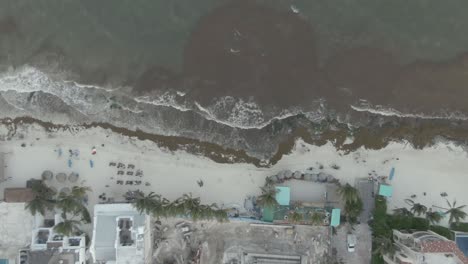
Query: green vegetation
point(443, 231)
point(455, 213)
point(43, 198)
point(461, 227)
point(404, 219)
point(268, 196)
point(352, 200)
point(71, 205)
point(186, 206)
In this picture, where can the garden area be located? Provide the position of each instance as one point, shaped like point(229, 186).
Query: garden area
point(410, 219)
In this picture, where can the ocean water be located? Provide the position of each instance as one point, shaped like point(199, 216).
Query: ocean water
point(242, 74)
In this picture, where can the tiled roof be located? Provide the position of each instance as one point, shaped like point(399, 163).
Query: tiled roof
point(443, 247)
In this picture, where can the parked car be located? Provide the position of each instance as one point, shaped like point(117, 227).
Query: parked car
point(351, 242)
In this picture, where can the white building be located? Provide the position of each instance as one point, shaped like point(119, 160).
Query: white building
point(120, 235)
point(424, 247)
point(49, 247)
point(16, 225)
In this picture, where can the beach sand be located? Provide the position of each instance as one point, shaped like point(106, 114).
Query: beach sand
point(440, 168)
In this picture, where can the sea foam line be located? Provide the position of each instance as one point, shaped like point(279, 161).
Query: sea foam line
point(393, 112)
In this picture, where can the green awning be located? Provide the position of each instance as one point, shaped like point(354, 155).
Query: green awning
point(283, 195)
point(385, 190)
point(335, 217)
point(268, 214)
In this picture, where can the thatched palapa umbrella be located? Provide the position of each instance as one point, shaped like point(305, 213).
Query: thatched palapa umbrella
point(65, 190)
point(47, 175)
point(61, 177)
point(73, 177)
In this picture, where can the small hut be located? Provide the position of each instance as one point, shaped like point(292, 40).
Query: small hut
point(47, 175)
point(73, 177)
point(61, 177)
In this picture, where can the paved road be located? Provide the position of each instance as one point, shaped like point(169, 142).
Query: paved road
point(366, 190)
point(362, 255)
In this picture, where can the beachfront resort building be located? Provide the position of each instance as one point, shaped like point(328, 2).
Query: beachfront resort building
point(424, 247)
point(16, 224)
point(27, 239)
point(121, 235)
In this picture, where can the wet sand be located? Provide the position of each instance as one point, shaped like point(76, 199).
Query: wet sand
point(424, 134)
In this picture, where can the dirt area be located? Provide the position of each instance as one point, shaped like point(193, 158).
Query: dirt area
point(362, 252)
point(181, 242)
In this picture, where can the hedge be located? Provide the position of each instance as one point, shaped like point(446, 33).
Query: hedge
point(443, 231)
point(462, 227)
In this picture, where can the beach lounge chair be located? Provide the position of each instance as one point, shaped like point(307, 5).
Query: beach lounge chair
point(130, 173)
point(120, 166)
point(129, 183)
point(131, 166)
point(112, 164)
point(120, 173)
point(139, 173)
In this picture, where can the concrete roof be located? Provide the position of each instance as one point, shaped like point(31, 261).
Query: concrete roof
point(15, 228)
point(18, 195)
point(105, 227)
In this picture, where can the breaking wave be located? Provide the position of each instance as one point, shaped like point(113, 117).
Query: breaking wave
point(365, 106)
point(21, 87)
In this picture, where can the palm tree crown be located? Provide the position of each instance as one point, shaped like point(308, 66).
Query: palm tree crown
point(268, 197)
point(455, 213)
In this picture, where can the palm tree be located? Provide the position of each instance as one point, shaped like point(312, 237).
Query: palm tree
point(145, 204)
point(295, 217)
point(433, 217)
point(268, 197)
point(43, 198)
point(316, 218)
point(383, 246)
point(67, 227)
point(416, 208)
point(455, 213)
point(80, 191)
point(353, 209)
point(269, 182)
point(403, 211)
point(348, 193)
point(74, 203)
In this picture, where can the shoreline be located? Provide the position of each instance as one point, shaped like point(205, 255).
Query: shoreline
point(420, 134)
point(422, 172)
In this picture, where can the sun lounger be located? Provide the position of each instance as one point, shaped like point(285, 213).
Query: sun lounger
point(131, 166)
point(120, 173)
point(130, 173)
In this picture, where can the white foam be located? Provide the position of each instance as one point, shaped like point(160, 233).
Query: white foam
point(237, 121)
point(393, 112)
point(166, 100)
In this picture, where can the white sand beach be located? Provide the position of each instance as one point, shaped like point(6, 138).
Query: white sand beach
point(441, 168)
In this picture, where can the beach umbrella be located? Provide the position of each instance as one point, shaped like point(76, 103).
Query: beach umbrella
point(61, 177)
point(287, 174)
point(65, 190)
point(73, 177)
point(54, 190)
point(297, 175)
point(308, 177)
point(330, 178)
point(322, 177)
point(47, 175)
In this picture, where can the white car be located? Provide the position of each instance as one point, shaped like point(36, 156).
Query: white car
point(351, 242)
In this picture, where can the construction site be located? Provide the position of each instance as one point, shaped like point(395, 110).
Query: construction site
point(184, 242)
